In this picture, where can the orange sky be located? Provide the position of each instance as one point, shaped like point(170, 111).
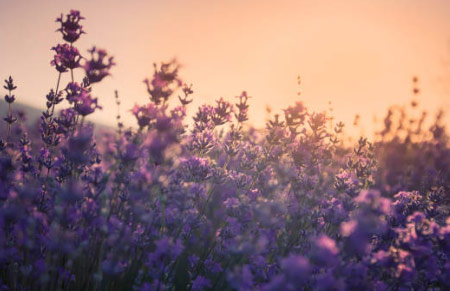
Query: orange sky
point(361, 55)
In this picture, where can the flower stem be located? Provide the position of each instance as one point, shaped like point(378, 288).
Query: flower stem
point(56, 92)
point(9, 114)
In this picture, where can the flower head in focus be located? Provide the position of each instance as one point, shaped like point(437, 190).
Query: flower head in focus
point(73, 91)
point(66, 57)
point(70, 26)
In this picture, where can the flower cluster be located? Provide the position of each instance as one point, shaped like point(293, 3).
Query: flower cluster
point(66, 57)
point(213, 203)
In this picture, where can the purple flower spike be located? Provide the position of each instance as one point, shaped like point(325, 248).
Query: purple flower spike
point(98, 66)
point(73, 91)
point(86, 104)
point(165, 81)
point(66, 57)
point(145, 114)
point(70, 27)
point(10, 99)
point(9, 84)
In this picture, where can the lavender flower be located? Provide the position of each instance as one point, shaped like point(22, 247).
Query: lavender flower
point(85, 104)
point(70, 26)
point(98, 67)
point(145, 114)
point(10, 118)
point(66, 57)
point(165, 81)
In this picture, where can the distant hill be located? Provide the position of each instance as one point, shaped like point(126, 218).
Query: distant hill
point(32, 114)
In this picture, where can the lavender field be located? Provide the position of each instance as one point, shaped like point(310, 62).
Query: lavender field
point(212, 202)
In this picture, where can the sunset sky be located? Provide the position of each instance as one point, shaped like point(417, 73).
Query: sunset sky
point(361, 55)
